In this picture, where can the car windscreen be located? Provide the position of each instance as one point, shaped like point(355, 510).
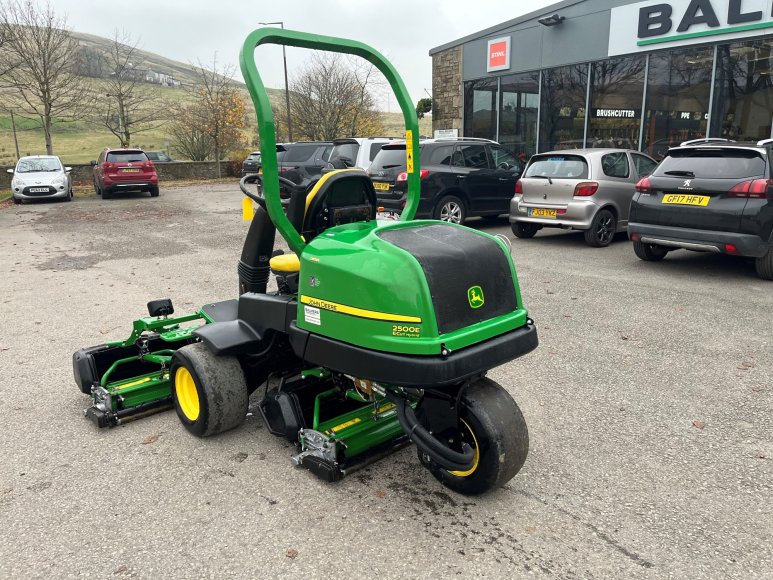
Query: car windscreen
point(253, 157)
point(712, 163)
point(35, 165)
point(127, 157)
point(345, 151)
point(557, 167)
point(389, 158)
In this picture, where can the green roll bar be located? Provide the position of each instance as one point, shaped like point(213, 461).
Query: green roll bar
point(265, 116)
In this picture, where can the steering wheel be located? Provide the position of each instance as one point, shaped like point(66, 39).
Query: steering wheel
point(258, 197)
point(504, 165)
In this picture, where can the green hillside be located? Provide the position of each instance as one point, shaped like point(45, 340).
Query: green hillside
point(81, 141)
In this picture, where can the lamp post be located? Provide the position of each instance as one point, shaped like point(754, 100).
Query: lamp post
point(287, 90)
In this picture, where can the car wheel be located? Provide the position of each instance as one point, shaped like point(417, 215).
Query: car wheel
point(524, 231)
point(154, 191)
point(97, 188)
point(17, 201)
point(450, 209)
point(602, 229)
point(764, 265)
point(69, 196)
point(106, 193)
point(649, 252)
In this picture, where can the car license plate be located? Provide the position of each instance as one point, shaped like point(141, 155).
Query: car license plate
point(38, 190)
point(685, 199)
point(381, 186)
point(542, 212)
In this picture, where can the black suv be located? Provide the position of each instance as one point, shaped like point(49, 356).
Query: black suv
point(303, 160)
point(708, 195)
point(459, 178)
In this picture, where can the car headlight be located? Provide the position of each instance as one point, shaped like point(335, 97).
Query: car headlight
point(16, 182)
point(59, 180)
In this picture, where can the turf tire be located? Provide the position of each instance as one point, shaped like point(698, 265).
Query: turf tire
point(502, 439)
point(221, 388)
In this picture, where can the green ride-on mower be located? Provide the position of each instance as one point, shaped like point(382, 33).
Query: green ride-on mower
point(380, 332)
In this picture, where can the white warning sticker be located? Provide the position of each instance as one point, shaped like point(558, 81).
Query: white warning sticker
point(311, 314)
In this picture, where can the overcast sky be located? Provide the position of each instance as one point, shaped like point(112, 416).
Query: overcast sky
point(402, 30)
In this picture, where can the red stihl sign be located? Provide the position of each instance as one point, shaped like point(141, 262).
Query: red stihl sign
point(498, 54)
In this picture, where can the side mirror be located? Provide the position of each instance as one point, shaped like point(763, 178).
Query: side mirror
point(67, 169)
point(93, 162)
point(9, 170)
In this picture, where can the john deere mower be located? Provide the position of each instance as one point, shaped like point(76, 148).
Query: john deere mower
point(380, 333)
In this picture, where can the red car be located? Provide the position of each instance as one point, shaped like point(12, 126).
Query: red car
point(124, 170)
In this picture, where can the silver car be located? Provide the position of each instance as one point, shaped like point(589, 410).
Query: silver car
point(41, 177)
point(578, 189)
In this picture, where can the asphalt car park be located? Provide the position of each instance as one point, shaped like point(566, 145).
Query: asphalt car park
point(648, 403)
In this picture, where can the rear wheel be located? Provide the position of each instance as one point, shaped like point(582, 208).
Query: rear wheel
point(602, 229)
point(154, 191)
point(493, 425)
point(106, 193)
point(450, 209)
point(649, 252)
point(523, 230)
point(764, 265)
point(209, 392)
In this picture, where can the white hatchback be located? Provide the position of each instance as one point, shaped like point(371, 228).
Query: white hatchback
point(41, 177)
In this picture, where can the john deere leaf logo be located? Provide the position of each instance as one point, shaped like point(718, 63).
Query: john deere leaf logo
point(475, 297)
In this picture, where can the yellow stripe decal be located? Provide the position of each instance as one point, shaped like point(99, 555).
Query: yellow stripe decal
point(133, 384)
point(354, 311)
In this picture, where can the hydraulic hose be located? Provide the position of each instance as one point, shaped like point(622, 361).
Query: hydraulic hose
point(441, 454)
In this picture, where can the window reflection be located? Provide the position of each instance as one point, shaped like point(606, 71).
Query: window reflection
point(562, 115)
point(743, 93)
point(480, 108)
point(678, 89)
point(518, 106)
point(615, 110)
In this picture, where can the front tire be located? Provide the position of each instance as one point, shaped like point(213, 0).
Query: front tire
point(602, 229)
point(493, 425)
point(764, 265)
point(209, 392)
point(649, 252)
point(451, 209)
point(524, 230)
point(17, 201)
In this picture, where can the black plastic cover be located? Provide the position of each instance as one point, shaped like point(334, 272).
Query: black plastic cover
point(455, 260)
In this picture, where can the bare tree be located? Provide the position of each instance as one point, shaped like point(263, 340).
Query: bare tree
point(132, 107)
point(217, 113)
point(330, 100)
point(44, 81)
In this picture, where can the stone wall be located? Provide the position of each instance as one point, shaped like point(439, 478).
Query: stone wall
point(83, 174)
point(447, 89)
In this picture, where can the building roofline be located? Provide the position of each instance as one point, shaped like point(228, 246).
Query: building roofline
point(503, 25)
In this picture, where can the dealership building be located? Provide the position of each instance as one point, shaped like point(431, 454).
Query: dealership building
point(611, 73)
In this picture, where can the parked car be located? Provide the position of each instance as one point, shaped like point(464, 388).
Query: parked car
point(303, 160)
point(251, 164)
point(124, 170)
point(708, 197)
point(460, 178)
point(357, 151)
point(579, 189)
point(40, 177)
point(159, 157)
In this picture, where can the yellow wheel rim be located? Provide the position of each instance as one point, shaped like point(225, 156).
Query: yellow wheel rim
point(187, 395)
point(475, 457)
